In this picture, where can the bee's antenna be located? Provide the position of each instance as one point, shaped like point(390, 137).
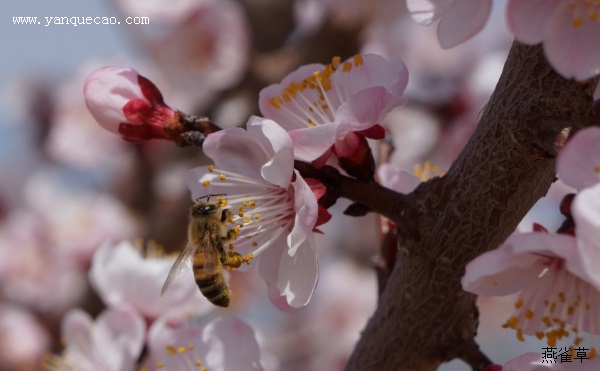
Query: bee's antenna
point(209, 196)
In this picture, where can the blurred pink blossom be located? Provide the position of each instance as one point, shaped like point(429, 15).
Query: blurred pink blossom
point(162, 11)
point(321, 105)
point(578, 162)
point(208, 49)
point(32, 271)
point(122, 276)
point(23, 339)
point(459, 19)
point(77, 222)
point(569, 30)
point(113, 341)
point(274, 209)
point(224, 344)
point(75, 138)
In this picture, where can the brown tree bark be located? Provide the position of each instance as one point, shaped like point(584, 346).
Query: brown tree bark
point(424, 318)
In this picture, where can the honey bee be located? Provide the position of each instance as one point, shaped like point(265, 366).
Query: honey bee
point(207, 231)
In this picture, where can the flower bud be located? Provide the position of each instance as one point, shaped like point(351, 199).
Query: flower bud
point(124, 102)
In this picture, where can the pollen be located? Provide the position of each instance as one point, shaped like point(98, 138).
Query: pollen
point(206, 183)
point(224, 202)
point(222, 177)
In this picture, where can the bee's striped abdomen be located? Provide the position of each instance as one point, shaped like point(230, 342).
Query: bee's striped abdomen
point(212, 285)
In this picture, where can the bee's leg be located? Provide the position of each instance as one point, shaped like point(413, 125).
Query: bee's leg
point(226, 215)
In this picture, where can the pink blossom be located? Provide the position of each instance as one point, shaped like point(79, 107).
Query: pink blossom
point(112, 342)
point(555, 275)
point(122, 276)
point(274, 209)
point(459, 19)
point(569, 30)
point(578, 163)
point(206, 50)
point(224, 344)
point(322, 106)
point(124, 102)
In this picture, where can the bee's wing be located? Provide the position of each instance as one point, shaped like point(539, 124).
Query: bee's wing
point(182, 264)
point(210, 252)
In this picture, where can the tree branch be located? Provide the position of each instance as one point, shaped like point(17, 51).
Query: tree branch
point(424, 317)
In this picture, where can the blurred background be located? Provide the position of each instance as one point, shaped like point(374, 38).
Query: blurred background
point(67, 187)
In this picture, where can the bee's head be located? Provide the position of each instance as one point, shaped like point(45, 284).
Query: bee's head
point(203, 208)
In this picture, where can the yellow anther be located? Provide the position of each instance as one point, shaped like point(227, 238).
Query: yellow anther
point(551, 336)
point(358, 60)
point(246, 220)
point(231, 246)
point(597, 169)
point(206, 183)
point(257, 216)
point(160, 365)
point(519, 303)
point(346, 67)
point(593, 15)
point(254, 244)
point(539, 335)
point(191, 347)
point(310, 122)
point(170, 350)
point(211, 168)
point(198, 362)
point(241, 214)
point(222, 177)
point(335, 61)
point(528, 314)
point(276, 102)
point(224, 202)
point(577, 22)
point(520, 335)
point(251, 203)
point(592, 354)
point(181, 350)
